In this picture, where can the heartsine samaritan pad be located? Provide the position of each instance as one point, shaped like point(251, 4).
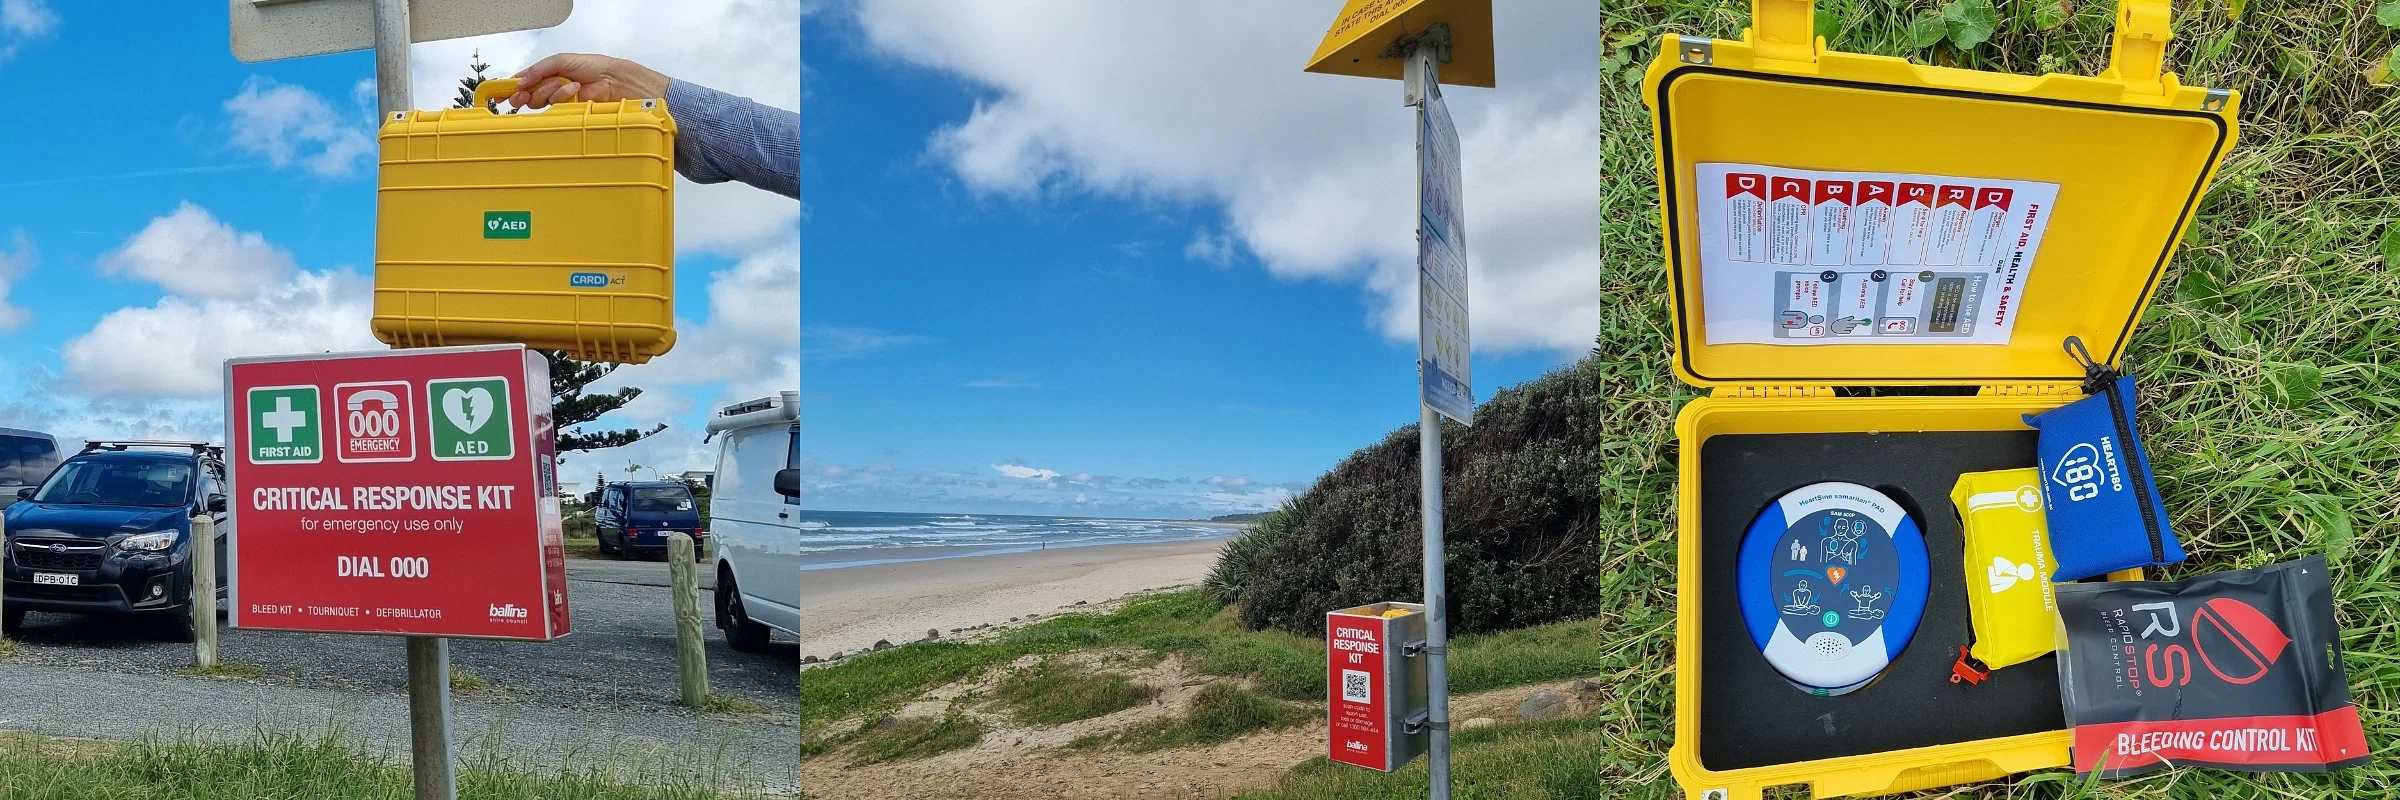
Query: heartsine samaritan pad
point(1832, 581)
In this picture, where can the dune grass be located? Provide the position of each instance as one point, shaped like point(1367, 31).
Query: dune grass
point(1056, 694)
point(1222, 712)
point(284, 767)
point(1191, 624)
point(911, 738)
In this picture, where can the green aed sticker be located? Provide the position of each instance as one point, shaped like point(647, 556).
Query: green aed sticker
point(508, 224)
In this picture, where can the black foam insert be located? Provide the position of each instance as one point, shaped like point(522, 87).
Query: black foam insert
point(1749, 715)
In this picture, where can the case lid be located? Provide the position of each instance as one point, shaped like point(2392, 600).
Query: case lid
point(2128, 155)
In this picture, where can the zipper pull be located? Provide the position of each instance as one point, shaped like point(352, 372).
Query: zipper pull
point(2096, 376)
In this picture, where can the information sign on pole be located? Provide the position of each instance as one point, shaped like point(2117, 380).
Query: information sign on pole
point(395, 492)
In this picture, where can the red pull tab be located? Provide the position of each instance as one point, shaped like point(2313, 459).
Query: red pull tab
point(1967, 669)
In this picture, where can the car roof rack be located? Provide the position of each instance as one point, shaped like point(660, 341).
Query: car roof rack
point(202, 449)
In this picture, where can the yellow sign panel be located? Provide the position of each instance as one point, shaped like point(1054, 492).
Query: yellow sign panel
point(556, 229)
point(1366, 29)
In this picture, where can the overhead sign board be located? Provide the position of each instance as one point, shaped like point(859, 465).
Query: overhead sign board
point(399, 492)
point(265, 30)
point(1374, 688)
point(1357, 42)
point(1447, 379)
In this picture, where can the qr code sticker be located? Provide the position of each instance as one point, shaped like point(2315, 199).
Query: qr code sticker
point(1354, 687)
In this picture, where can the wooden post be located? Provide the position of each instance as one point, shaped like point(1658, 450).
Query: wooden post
point(690, 658)
point(203, 552)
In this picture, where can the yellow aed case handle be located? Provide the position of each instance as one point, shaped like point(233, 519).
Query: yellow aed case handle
point(497, 88)
point(2137, 52)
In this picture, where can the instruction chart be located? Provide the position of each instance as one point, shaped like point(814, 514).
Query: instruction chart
point(1790, 256)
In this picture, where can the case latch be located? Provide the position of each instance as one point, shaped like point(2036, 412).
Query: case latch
point(2137, 53)
point(1780, 390)
point(1784, 30)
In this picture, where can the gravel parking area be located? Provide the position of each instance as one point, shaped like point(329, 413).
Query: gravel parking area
point(610, 685)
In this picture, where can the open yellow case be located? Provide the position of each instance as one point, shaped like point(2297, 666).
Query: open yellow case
point(2130, 153)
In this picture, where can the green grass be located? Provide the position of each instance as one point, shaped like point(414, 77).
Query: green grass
point(1189, 623)
point(8, 648)
point(282, 767)
point(2269, 362)
point(716, 703)
point(464, 682)
point(1056, 694)
point(1222, 712)
point(908, 739)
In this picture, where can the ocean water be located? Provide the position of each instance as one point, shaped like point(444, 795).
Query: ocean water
point(835, 539)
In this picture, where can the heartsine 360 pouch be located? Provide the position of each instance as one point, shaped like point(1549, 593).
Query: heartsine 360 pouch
point(2103, 508)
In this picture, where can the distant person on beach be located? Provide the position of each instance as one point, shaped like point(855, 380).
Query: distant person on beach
point(719, 137)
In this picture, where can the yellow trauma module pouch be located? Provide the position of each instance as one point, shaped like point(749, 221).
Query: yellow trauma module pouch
point(2010, 604)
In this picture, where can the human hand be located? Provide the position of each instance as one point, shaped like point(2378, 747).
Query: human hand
point(584, 76)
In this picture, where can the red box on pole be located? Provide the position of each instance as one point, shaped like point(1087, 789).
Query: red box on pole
point(435, 514)
point(1374, 688)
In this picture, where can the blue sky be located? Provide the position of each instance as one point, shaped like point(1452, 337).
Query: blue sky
point(166, 207)
point(1051, 271)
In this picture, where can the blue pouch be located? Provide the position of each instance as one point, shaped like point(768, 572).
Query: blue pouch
point(2104, 509)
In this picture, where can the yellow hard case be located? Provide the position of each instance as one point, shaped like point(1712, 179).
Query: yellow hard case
point(2131, 150)
point(554, 229)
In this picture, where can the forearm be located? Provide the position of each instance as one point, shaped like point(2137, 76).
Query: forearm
point(724, 137)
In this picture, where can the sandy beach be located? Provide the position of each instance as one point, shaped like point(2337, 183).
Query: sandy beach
point(848, 608)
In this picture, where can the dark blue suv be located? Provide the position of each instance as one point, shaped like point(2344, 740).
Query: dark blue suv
point(635, 517)
point(110, 531)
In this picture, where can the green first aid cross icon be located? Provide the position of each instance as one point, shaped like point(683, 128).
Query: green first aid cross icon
point(471, 420)
point(286, 425)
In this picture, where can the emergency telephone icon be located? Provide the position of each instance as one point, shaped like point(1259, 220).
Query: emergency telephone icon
point(374, 422)
point(285, 426)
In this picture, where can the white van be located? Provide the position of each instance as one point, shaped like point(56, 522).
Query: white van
point(754, 514)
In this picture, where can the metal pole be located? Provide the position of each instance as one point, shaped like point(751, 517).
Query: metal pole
point(1420, 74)
point(204, 591)
point(1437, 618)
point(428, 656)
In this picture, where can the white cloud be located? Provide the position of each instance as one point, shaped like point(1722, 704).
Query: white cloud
point(749, 345)
point(15, 261)
point(189, 252)
point(1315, 175)
point(837, 342)
point(1227, 481)
point(178, 346)
point(292, 126)
point(746, 47)
point(1001, 383)
point(1213, 247)
point(1022, 472)
point(22, 21)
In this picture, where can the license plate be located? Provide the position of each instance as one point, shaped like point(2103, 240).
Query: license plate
point(57, 579)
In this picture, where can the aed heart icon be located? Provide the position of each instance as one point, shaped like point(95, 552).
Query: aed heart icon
point(468, 409)
point(1835, 574)
point(473, 421)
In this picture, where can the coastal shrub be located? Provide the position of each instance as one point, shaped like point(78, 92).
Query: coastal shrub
point(1556, 478)
point(1231, 575)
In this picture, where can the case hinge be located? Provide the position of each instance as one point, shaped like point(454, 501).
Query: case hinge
point(1784, 30)
point(2027, 390)
point(2137, 52)
point(1781, 390)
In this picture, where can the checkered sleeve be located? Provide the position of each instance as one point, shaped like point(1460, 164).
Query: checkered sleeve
point(723, 137)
